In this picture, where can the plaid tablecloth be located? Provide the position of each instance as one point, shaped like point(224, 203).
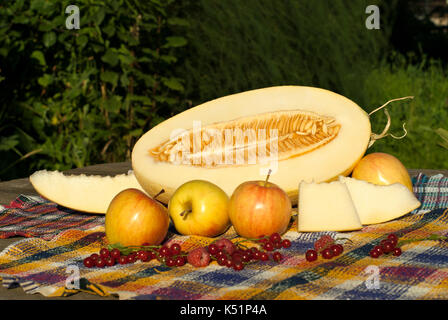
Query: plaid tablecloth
point(50, 261)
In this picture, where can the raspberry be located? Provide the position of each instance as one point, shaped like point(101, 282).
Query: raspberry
point(199, 257)
point(226, 245)
point(323, 242)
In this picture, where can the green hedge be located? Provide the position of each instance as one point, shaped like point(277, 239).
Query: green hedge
point(71, 98)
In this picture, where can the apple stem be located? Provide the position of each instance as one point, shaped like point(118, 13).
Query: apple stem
point(185, 213)
point(158, 194)
point(267, 177)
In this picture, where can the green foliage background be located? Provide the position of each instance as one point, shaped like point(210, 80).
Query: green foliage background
point(71, 98)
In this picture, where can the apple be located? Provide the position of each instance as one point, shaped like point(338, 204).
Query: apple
point(259, 208)
point(382, 169)
point(133, 219)
point(199, 207)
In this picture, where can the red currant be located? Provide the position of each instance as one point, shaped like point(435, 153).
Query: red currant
point(165, 252)
point(245, 257)
point(94, 256)
point(275, 237)
point(311, 255)
point(180, 261)
point(264, 256)
point(123, 260)
point(170, 262)
point(238, 266)
point(327, 253)
point(115, 253)
point(219, 254)
point(396, 252)
point(131, 258)
point(277, 256)
point(89, 262)
point(254, 250)
point(374, 253)
point(387, 246)
point(222, 260)
point(277, 245)
point(379, 249)
point(212, 249)
point(110, 262)
point(337, 249)
point(143, 255)
point(286, 243)
point(152, 255)
point(100, 263)
point(104, 253)
point(392, 238)
point(229, 263)
point(268, 246)
point(175, 249)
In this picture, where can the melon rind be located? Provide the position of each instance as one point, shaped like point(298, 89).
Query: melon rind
point(86, 193)
point(336, 158)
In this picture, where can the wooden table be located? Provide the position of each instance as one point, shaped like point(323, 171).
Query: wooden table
point(9, 190)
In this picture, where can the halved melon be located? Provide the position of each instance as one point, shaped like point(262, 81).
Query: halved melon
point(87, 193)
point(299, 133)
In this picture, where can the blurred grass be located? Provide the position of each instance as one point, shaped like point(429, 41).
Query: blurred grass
point(241, 45)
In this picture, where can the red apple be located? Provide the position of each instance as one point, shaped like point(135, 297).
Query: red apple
point(134, 219)
point(259, 208)
point(382, 169)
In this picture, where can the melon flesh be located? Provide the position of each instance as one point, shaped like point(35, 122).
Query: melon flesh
point(326, 207)
point(319, 136)
point(377, 204)
point(87, 193)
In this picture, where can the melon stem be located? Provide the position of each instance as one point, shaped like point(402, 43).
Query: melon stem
point(384, 105)
point(374, 137)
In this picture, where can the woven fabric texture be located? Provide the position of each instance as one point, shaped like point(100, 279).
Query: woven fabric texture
point(51, 267)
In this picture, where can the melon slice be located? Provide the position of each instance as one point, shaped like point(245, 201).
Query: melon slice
point(87, 193)
point(326, 207)
point(299, 133)
point(377, 204)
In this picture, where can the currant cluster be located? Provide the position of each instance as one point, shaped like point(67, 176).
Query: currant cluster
point(235, 255)
point(386, 246)
point(171, 256)
point(326, 246)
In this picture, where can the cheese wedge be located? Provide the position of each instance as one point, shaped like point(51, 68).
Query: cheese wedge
point(377, 204)
point(326, 207)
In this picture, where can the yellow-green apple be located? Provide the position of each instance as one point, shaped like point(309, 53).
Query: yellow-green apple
point(134, 219)
point(382, 169)
point(199, 207)
point(259, 208)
